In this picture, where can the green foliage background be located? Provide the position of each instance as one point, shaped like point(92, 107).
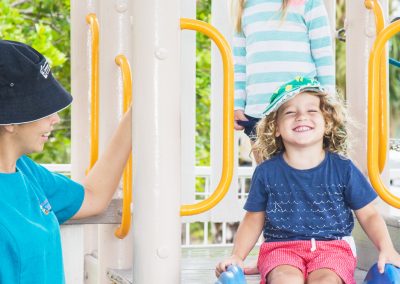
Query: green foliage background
point(340, 50)
point(203, 82)
point(394, 77)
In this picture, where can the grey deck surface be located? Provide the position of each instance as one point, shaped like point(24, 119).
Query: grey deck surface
point(198, 267)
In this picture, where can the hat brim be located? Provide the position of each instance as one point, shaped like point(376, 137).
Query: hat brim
point(40, 101)
point(274, 106)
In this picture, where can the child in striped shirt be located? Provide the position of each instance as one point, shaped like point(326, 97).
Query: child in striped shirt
point(275, 41)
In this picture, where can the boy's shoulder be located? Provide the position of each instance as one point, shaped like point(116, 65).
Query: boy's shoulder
point(271, 162)
point(339, 158)
point(340, 161)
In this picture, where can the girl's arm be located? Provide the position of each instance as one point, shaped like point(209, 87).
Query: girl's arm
point(246, 237)
point(102, 181)
point(239, 56)
point(322, 52)
point(375, 228)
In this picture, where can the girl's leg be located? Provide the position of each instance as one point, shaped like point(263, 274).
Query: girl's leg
point(324, 276)
point(284, 274)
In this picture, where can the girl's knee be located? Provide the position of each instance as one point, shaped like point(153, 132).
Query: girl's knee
point(285, 274)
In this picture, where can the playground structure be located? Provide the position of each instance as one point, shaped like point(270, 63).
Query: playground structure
point(142, 48)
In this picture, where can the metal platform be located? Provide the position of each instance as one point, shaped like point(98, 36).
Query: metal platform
point(198, 267)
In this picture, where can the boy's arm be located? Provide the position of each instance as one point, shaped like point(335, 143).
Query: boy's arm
point(375, 228)
point(246, 237)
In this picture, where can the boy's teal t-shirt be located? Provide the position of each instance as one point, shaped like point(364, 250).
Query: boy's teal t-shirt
point(34, 202)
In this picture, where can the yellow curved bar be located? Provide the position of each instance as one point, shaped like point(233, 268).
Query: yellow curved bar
point(125, 226)
point(373, 114)
point(227, 152)
point(91, 19)
point(376, 7)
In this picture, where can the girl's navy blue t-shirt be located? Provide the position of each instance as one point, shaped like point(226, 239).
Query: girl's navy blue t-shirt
point(314, 203)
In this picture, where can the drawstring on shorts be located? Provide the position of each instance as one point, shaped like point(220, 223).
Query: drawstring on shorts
point(313, 245)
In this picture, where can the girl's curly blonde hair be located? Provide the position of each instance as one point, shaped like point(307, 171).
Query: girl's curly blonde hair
point(335, 136)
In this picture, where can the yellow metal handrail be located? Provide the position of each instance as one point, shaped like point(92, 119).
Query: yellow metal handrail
point(123, 229)
point(227, 152)
point(376, 7)
point(91, 19)
point(373, 114)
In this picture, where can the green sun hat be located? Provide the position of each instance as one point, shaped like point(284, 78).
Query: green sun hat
point(290, 89)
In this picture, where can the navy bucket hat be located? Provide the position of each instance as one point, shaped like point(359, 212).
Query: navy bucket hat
point(28, 90)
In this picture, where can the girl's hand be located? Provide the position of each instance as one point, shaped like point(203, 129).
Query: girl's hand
point(388, 256)
point(221, 267)
point(239, 115)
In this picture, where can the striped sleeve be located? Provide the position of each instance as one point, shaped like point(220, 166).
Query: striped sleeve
point(239, 53)
point(317, 22)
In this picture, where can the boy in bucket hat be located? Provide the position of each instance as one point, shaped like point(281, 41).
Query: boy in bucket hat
point(34, 201)
point(303, 194)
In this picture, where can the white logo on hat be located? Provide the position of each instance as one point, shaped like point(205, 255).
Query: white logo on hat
point(45, 69)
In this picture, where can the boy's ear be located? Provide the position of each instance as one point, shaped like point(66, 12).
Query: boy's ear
point(277, 133)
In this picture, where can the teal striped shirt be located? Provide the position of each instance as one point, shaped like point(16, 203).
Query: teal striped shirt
point(272, 50)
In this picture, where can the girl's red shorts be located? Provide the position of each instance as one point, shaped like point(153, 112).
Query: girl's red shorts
point(337, 255)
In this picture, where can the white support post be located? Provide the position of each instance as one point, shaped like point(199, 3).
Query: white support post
point(73, 235)
point(156, 141)
point(360, 36)
point(188, 107)
point(115, 38)
point(360, 33)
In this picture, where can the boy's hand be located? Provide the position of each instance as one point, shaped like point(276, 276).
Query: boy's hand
point(390, 256)
point(221, 267)
point(239, 115)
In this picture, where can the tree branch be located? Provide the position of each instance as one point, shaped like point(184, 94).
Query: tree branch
point(20, 2)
